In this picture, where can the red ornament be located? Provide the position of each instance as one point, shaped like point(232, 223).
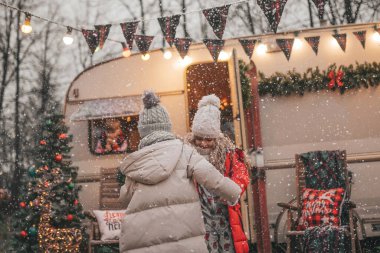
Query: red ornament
point(339, 77)
point(23, 233)
point(69, 217)
point(22, 204)
point(46, 184)
point(62, 136)
point(331, 76)
point(76, 202)
point(42, 142)
point(58, 158)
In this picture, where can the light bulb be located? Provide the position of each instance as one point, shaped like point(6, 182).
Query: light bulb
point(262, 48)
point(297, 43)
point(186, 61)
point(97, 49)
point(68, 39)
point(167, 54)
point(26, 27)
point(126, 52)
point(376, 37)
point(223, 56)
point(145, 57)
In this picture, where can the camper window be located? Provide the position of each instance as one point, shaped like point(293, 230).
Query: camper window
point(113, 135)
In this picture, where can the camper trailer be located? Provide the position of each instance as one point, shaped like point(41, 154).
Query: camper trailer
point(104, 100)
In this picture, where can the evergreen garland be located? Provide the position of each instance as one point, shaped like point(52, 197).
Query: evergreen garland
point(245, 83)
point(340, 78)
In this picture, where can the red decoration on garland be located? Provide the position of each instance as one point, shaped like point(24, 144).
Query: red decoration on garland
point(129, 30)
point(339, 78)
point(248, 46)
point(286, 46)
point(331, 76)
point(76, 202)
point(92, 39)
point(169, 26)
point(69, 217)
point(341, 39)
point(335, 79)
point(320, 4)
point(103, 31)
point(22, 204)
point(214, 47)
point(360, 35)
point(62, 136)
point(42, 142)
point(23, 234)
point(143, 43)
point(217, 18)
point(58, 158)
point(182, 45)
point(272, 10)
point(314, 43)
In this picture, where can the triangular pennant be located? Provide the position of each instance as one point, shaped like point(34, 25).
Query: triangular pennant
point(92, 39)
point(143, 43)
point(248, 46)
point(360, 35)
point(272, 10)
point(103, 31)
point(214, 47)
point(314, 43)
point(286, 46)
point(182, 45)
point(129, 30)
point(217, 18)
point(320, 4)
point(169, 27)
point(341, 39)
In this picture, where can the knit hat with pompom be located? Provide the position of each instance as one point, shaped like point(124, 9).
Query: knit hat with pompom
point(206, 123)
point(153, 117)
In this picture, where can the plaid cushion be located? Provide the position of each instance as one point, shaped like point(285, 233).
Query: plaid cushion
point(321, 207)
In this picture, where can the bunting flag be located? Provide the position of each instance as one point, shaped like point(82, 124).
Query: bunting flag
point(341, 39)
point(286, 46)
point(169, 27)
point(314, 43)
point(320, 4)
point(360, 35)
point(143, 43)
point(182, 45)
point(129, 30)
point(103, 31)
point(248, 46)
point(217, 18)
point(272, 10)
point(92, 39)
point(214, 47)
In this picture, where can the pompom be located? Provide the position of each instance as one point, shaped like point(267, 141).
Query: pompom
point(150, 99)
point(209, 100)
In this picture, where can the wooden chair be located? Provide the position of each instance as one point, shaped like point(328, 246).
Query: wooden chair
point(336, 177)
point(109, 195)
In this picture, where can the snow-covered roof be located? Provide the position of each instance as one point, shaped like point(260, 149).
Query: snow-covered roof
point(108, 108)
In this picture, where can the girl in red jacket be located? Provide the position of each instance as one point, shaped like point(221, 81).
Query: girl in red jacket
point(224, 231)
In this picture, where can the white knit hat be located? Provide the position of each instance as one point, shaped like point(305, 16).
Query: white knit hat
point(206, 121)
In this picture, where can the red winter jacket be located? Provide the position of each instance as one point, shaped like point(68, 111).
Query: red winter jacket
point(238, 172)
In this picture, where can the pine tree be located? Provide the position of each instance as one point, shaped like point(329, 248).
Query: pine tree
point(49, 197)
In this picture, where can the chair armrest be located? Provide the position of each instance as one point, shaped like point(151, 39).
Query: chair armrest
point(350, 204)
point(288, 206)
point(89, 215)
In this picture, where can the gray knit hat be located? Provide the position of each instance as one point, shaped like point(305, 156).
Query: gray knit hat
point(206, 121)
point(153, 117)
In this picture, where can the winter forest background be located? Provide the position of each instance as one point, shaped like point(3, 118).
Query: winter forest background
point(36, 69)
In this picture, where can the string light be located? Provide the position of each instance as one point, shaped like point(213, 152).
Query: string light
point(262, 48)
point(297, 41)
point(26, 27)
point(186, 61)
point(167, 54)
point(223, 56)
point(68, 38)
point(126, 52)
point(376, 34)
point(145, 57)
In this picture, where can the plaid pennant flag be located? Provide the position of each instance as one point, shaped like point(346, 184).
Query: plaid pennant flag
point(217, 18)
point(214, 47)
point(314, 43)
point(129, 30)
point(286, 46)
point(360, 35)
point(341, 39)
point(103, 31)
point(143, 43)
point(182, 45)
point(272, 10)
point(92, 39)
point(320, 4)
point(169, 27)
point(248, 46)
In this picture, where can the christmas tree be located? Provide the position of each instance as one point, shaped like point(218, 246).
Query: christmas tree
point(49, 215)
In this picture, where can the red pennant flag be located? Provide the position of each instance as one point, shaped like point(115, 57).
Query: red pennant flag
point(92, 39)
point(320, 4)
point(143, 43)
point(217, 18)
point(169, 27)
point(248, 46)
point(341, 39)
point(286, 46)
point(129, 30)
point(360, 35)
point(103, 31)
point(314, 43)
point(272, 10)
point(214, 47)
point(182, 45)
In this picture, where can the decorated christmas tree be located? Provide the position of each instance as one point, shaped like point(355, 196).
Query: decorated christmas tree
point(49, 215)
